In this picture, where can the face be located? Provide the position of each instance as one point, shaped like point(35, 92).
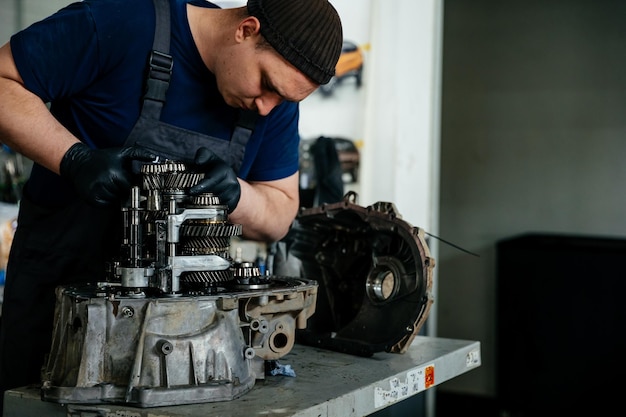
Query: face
point(258, 78)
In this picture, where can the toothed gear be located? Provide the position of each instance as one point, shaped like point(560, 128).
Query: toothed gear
point(193, 229)
point(151, 182)
point(206, 246)
point(161, 167)
point(180, 180)
point(205, 200)
point(168, 175)
point(246, 270)
point(203, 278)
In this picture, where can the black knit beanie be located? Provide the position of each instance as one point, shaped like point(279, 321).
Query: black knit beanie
point(307, 33)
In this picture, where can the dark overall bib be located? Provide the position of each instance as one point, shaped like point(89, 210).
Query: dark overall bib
point(70, 244)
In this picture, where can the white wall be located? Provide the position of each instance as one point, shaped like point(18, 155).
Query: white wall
point(402, 109)
point(17, 14)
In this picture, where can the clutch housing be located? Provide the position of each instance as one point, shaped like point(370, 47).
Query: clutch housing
point(374, 272)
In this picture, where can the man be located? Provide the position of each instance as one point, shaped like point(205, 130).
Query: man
point(132, 80)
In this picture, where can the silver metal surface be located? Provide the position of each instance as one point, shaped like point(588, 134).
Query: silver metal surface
point(156, 351)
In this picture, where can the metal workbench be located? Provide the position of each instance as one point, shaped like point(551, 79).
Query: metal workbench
point(326, 384)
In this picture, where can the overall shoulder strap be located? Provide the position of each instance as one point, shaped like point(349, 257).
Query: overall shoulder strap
point(160, 71)
point(161, 62)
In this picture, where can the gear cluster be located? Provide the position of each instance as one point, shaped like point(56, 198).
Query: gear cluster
point(181, 242)
point(168, 175)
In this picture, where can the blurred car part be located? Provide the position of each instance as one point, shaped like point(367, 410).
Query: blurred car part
point(349, 158)
point(14, 171)
point(321, 175)
point(347, 153)
point(350, 64)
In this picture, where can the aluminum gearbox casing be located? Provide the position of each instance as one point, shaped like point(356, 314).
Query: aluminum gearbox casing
point(177, 321)
point(374, 272)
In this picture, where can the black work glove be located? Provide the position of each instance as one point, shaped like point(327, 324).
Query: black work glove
point(103, 177)
point(219, 179)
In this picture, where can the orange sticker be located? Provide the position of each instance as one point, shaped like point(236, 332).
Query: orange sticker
point(429, 377)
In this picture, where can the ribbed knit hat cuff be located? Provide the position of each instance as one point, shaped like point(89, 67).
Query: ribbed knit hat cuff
point(307, 33)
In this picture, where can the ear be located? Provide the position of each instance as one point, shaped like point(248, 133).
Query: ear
point(249, 27)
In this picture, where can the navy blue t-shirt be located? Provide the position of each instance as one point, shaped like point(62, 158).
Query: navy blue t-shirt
point(88, 61)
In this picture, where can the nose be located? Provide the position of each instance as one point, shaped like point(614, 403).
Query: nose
point(266, 102)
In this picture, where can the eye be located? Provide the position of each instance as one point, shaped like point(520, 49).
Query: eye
point(267, 86)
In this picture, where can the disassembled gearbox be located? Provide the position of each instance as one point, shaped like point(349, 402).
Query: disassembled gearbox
point(178, 321)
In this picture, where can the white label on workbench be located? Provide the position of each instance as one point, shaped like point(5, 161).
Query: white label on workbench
point(417, 380)
point(472, 358)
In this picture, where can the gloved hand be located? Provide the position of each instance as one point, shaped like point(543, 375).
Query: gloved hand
point(101, 176)
point(219, 179)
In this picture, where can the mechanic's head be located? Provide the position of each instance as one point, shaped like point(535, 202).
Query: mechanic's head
point(307, 33)
point(281, 50)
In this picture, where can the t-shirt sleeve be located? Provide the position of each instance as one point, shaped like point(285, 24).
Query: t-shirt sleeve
point(57, 56)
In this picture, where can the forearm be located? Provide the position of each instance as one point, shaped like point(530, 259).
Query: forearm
point(266, 210)
point(26, 125)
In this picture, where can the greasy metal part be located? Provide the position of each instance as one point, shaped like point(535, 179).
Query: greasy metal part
point(374, 272)
point(160, 350)
point(178, 321)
